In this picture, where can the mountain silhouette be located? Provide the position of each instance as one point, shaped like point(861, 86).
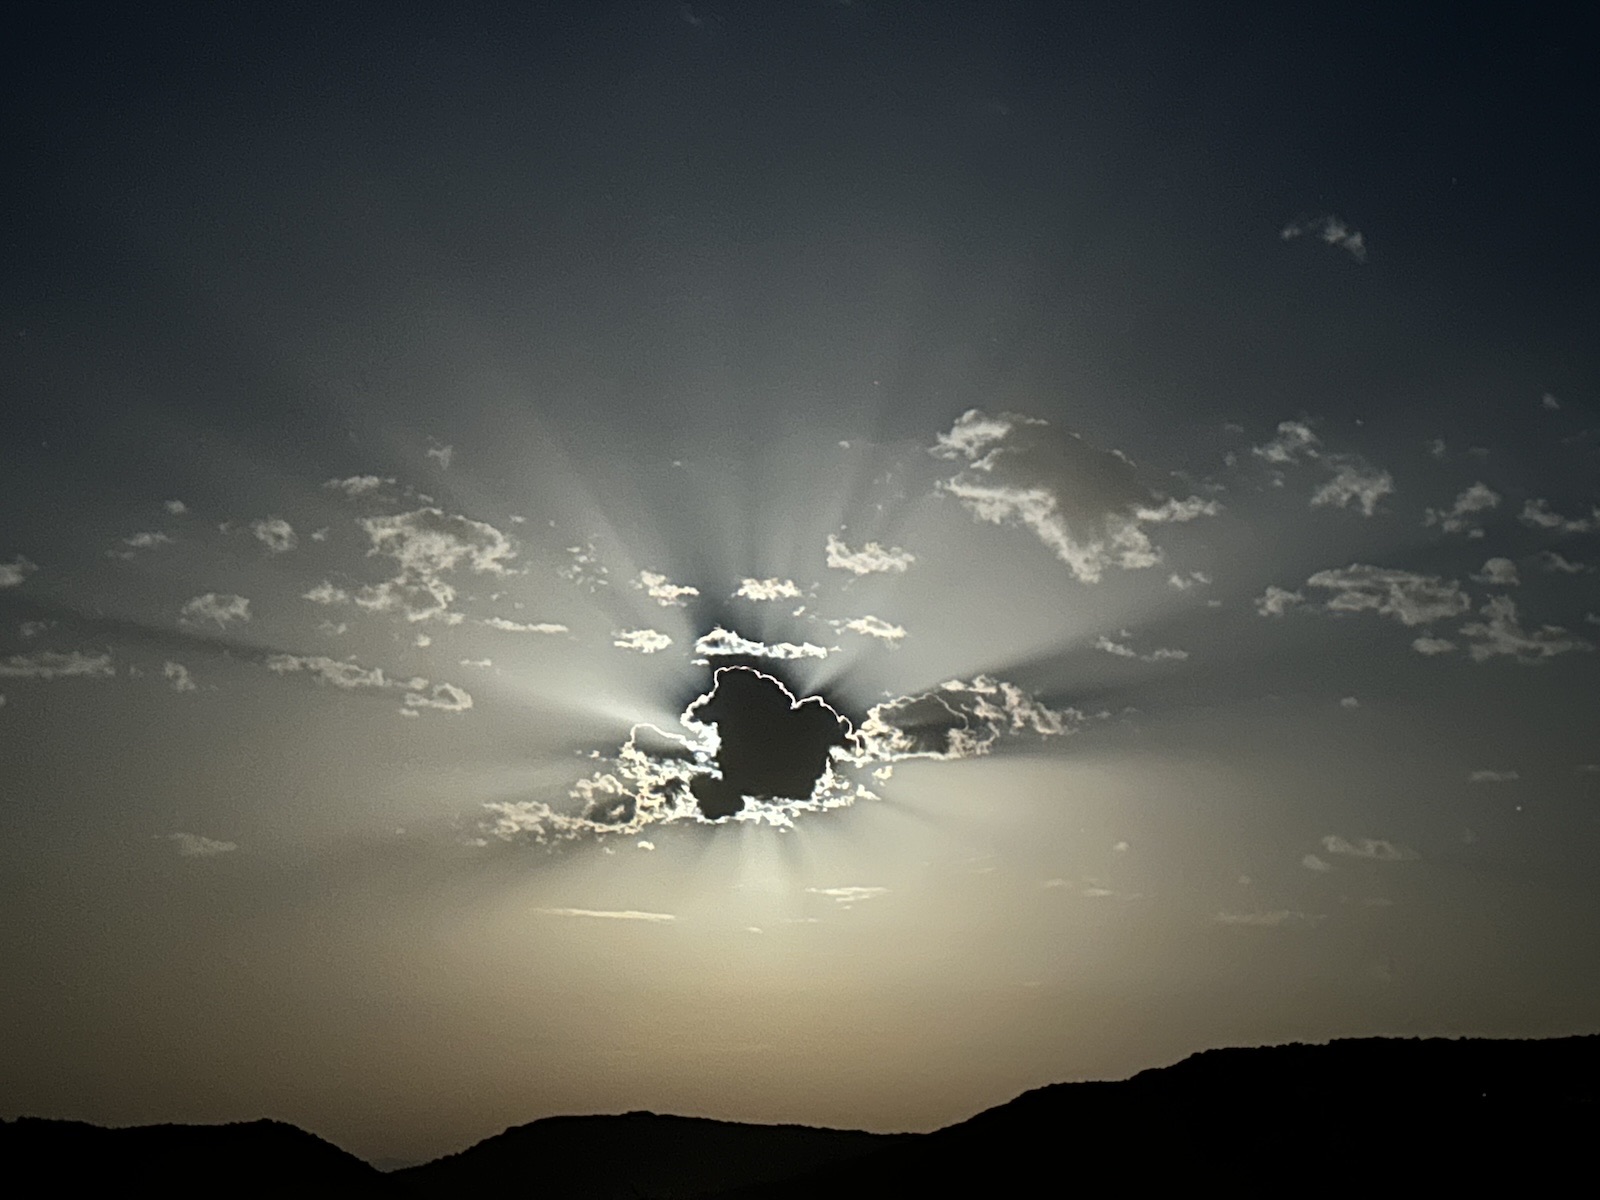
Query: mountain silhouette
point(1372, 1114)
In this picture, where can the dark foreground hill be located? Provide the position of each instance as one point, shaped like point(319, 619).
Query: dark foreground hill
point(1377, 1115)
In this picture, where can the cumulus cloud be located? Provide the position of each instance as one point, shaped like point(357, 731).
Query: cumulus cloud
point(1408, 597)
point(276, 534)
point(50, 664)
point(872, 627)
point(1330, 229)
point(1373, 848)
point(357, 485)
point(1432, 646)
point(1085, 504)
point(958, 719)
point(1493, 777)
point(1500, 572)
point(721, 642)
point(14, 572)
point(870, 559)
point(176, 507)
point(1537, 514)
point(1354, 483)
point(178, 675)
point(220, 609)
point(446, 697)
point(645, 641)
point(193, 845)
point(768, 589)
point(141, 541)
point(1461, 516)
point(1500, 633)
point(664, 592)
point(1193, 579)
point(1123, 650)
point(1294, 441)
point(507, 626)
point(1276, 601)
point(1559, 565)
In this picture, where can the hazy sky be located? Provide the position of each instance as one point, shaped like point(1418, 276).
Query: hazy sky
point(1154, 449)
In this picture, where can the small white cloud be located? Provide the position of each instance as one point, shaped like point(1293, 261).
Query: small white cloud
point(870, 559)
point(1432, 646)
point(32, 629)
point(1120, 848)
point(1408, 597)
point(193, 845)
point(1293, 442)
point(645, 641)
point(441, 454)
point(178, 675)
point(1549, 403)
point(176, 507)
point(1501, 634)
point(357, 485)
point(873, 627)
point(141, 541)
point(1123, 650)
point(346, 674)
point(846, 896)
point(1461, 516)
point(721, 642)
point(628, 914)
point(1500, 572)
point(1312, 863)
point(326, 593)
point(1349, 702)
point(768, 589)
point(445, 697)
point(1537, 514)
point(1330, 229)
point(1193, 579)
point(50, 664)
point(1276, 601)
point(477, 662)
point(276, 534)
point(1493, 777)
point(643, 844)
point(14, 572)
point(1437, 448)
point(663, 591)
point(1373, 848)
point(523, 627)
point(1354, 483)
point(222, 609)
point(1559, 565)
point(1267, 920)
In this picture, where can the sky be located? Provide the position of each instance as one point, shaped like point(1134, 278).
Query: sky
point(814, 561)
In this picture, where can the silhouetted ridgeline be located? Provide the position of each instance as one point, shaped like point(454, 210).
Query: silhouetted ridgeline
point(1374, 1114)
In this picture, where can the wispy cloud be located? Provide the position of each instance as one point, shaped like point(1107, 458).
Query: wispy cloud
point(1483, 776)
point(1462, 515)
point(768, 589)
point(1373, 848)
point(14, 572)
point(217, 608)
point(1330, 229)
point(645, 641)
point(193, 845)
point(626, 914)
point(870, 559)
point(50, 664)
point(663, 591)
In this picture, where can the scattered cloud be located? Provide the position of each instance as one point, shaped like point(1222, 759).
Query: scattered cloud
point(1500, 572)
point(870, 559)
point(176, 507)
point(178, 675)
point(1461, 516)
point(846, 896)
point(768, 589)
point(663, 591)
point(1085, 504)
point(645, 641)
point(721, 642)
point(1193, 579)
point(1537, 514)
point(1493, 777)
point(872, 627)
point(441, 454)
point(220, 609)
point(602, 914)
point(357, 485)
point(193, 845)
point(1276, 601)
point(508, 626)
point(584, 568)
point(141, 541)
point(1559, 565)
point(1349, 702)
point(32, 629)
point(1432, 646)
point(446, 697)
point(14, 572)
point(1123, 650)
point(1408, 597)
point(1355, 483)
point(1312, 863)
point(1372, 848)
point(1549, 403)
point(346, 674)
point(1500, 634)
point(50, 664)
point(1293, 442)
point(276, 534)
point(1267, 920)
point(1330, 229)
